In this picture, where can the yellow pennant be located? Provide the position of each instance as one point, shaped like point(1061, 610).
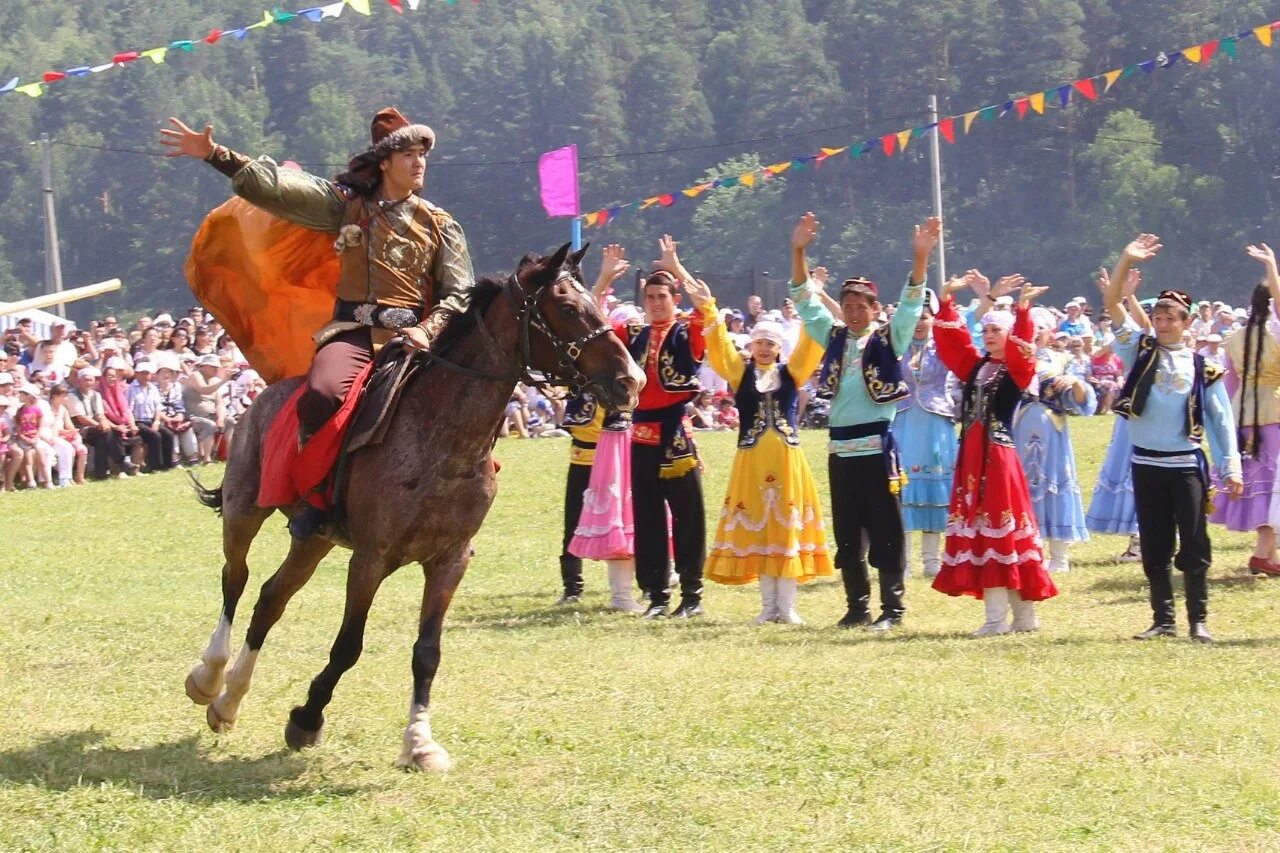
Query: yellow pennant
point(694, 192)
point(650, 202)
point(267, 20)
point(968, 120)
point(33, 90)
point(904, 137)
point(1037, 102)
point(1263, 34)
point(831, 152)
point(591, 218)
point(748, 180)
point(778, 168)
point(1112, 77)
point(361, 6)
point(156, 54)
point(1192, 54)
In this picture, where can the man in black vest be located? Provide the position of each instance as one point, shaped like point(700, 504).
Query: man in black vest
point(664, 461)
point(862, 374)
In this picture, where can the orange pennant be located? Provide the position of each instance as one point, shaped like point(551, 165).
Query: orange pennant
point(1112, 77)
point(1192, 54)
point(1037, 102)
point(1263, 34)
point(748, 180)
point(778, 168)
point(904, 138)
point(968, 120)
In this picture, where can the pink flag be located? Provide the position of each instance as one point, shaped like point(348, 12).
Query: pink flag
point(558, 179)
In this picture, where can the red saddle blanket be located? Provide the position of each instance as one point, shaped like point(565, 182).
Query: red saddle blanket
point(289, 474)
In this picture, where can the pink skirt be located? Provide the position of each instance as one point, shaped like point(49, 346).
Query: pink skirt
point(605, 529)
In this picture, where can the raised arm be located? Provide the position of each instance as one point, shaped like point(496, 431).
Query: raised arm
point(807, 291)
point(302, 198)
point(911, 300)
point(955, 345)
point(1264, 254)
point(613, 265)
point(1141, 249)
point(1020, 352)
point(721, 351)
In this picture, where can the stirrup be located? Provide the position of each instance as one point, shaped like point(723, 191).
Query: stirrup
point(308, 522)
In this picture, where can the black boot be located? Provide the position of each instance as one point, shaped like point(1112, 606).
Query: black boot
point(857, 594)
point(1196, 585)
point(571, 577)
point(1162, 619)
point(308, 522)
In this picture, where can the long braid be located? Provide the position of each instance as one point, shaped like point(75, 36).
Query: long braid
point(1255, 333)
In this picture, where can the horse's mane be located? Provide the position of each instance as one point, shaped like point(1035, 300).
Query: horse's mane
point(486, 290)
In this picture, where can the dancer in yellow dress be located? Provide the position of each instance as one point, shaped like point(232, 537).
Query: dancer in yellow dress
point(771, 522)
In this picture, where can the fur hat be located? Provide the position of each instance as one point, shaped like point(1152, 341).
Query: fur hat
point(391, 131)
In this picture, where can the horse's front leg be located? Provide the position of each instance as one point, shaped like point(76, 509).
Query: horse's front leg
point(421, 752)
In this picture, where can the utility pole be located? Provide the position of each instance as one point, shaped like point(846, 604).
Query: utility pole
point(52, 262)
point(935, 160)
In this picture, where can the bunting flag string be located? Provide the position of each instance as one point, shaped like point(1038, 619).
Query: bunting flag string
point(890, 144)
point(158, 55)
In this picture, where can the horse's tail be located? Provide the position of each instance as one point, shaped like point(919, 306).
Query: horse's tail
point(212, 498)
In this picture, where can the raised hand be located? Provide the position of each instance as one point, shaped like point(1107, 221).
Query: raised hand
point(668, 259)
point(978, 283)
point(1102, 279)
point(1262, 252)
point(821, 275)
point(806, 229)
point(613, 265)
point(185, 142)
point(1029, 294)
point(699, 293)
point(954, 284)
point(1143, 248)
point(1132, 282)
point(926, 237)
point(1006, 285)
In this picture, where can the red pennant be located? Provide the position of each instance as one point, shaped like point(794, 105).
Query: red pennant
point(666, 200)
point(947, 127)
point(395, 4)
point(1208, 50)
point(213, 37)
point(53, 76)
point(1085, 87)
point(603, 219)
point(1022, 105)
point(889, 142)
point(122, 58)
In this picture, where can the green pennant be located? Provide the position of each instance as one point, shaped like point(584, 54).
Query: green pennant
point(1128, 70)
point(282, 17)
point(1228, 46)
point(989, 113)
point(728, 182)
point(917, 132)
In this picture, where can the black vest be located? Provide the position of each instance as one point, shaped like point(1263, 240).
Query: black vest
point(777, 410)
point(677, 369)
point(1137, 386)
point(580, 410)
point(881, 369)
point(993, 404)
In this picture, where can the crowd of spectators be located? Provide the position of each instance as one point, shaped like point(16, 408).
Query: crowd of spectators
point(113, 401)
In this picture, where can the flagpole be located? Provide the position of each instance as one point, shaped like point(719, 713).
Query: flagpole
point(577, 233)
point(935, 161)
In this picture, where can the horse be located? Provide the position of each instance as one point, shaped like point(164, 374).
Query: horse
point(418, 496)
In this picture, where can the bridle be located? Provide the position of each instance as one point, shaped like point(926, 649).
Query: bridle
point(530, 318)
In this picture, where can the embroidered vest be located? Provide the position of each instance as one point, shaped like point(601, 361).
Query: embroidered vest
point(881, 369)
point(580, 410)
point(1137, 386)
point(677, 369)
point(993, 403)
point(777, 410)
point(387, 259)
point(930, 385)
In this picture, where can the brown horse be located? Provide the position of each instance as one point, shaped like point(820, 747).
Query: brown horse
point(419, 496)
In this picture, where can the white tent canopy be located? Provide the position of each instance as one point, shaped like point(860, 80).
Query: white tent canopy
point(41, 322)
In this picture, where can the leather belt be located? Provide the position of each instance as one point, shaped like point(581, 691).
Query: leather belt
point(369, 314)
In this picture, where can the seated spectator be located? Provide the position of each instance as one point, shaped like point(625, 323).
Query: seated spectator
point(147, 409)
point(173, 414)
point(1213, 351)
point(205, 406)
point(65, 439)
point(702, 411)
point(37, 455)
point(89, 416)
point(1106, 375)
point(10, 453)
point(727, 415)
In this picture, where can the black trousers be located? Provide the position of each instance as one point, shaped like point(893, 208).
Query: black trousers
point(1169, 501)
point(651, 496)
point(159, 445)
point(106, 446)
point(867, 518)
point(570, 566)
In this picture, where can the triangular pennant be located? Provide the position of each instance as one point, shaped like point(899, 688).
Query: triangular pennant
point(238, 33)
point(1192, 54)
point(314, 14)
point(887, 142)
point(98, 69)
point(156, 54)
point(798, 164)
point(1171, 59)
point(1148, 66)
point(1064, 95)
point(728, 182)
point(748, 180)
point(361, 6)
point(1111, 77)
point(185, 44)
point(778, 168)
point(1263, 35)
point(1209, 50)
point(602, 217)
point(122, 58)
point(282, 17)
point(81, 71)
point(1085, 87)
point(395, 4)
point(947, 127)
point(267, 20)
point(1006, 108)
point(968, 120)
point(1037, 102)
point(614, 211)
point(666, 200)
point(693, 192)
point(988, 113)
point(832, 152)
point(53, 76)
point(1022, 105)
point(1127, 71)
point(33, 90)
point(413, 5)
point(904, 139)
point(590, 218)
point(1228, 46)
point(333, 10)
point(213, 37)
point(649, 202)
point(635, 205)
point(10, 86)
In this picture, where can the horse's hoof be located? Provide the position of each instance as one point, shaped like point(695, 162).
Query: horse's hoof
point(297, 738)
point(432, 758)
point(196, 694)
point(216, 721)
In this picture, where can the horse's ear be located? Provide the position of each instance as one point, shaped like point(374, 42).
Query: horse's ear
point(576, 257)
point(556, 261)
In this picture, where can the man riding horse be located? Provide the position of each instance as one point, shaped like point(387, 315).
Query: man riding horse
point(403, 267)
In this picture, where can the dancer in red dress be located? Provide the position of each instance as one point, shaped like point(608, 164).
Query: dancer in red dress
point(993, 549)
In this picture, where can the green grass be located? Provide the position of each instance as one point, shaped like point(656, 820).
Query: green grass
point(582, 729)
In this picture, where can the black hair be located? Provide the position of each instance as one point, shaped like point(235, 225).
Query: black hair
point(1254, 333)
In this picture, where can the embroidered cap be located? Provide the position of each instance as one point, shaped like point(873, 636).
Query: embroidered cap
point(860, 286)
point(1177, 296)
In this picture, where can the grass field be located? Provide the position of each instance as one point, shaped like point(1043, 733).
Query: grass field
point(581, 729)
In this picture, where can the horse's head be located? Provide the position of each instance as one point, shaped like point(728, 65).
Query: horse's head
point(567, 336)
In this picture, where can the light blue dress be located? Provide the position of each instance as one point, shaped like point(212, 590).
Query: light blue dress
point(1112, 509)
point(925, 435)
point(1044, 443)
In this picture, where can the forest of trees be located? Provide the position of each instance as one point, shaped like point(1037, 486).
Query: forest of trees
point(712, 86)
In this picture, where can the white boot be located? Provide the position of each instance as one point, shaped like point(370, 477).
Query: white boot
point(931, 553)
point(788, 588)
point(1024, 613)
point(768, 599)
point(996, 603)
point(622, 575)
point(1058, 561)
point(907, 549)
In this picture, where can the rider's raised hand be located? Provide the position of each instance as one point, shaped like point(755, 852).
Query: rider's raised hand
point(185, 142)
